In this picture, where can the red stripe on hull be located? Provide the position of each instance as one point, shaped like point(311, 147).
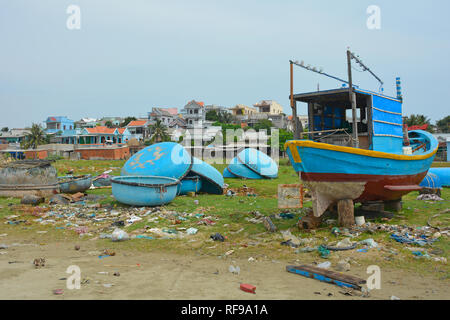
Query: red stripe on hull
point(375, 184)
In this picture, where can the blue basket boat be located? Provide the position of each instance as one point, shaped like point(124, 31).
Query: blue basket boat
point(74, 184)
point(228, 174)
point(189, 184)
point(144, 190)
point(443, 174)
point(258, 162)
point(166, 159)
point(431, 181)
point(212, 179)
point(240, 170)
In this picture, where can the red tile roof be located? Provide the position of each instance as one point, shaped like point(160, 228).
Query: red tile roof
point(101, 129)
point(137, 123)
point(121, 130)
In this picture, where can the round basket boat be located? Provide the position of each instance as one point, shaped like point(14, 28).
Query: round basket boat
point(144, 190)
point(189, 184)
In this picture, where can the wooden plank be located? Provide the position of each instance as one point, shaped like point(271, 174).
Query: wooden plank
point(404, 188)
point(328, 276)
point(346, 213)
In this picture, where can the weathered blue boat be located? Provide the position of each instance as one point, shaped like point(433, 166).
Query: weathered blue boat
point(166, 159)
point(189, 184)
point(74, 184)
point(443, 174)
point(101, 181)
point(144, 190)
point(386, 164)
point(240, 170)
point(212, 179)
point(259, 162)
point(431, 181)
point(228, 174)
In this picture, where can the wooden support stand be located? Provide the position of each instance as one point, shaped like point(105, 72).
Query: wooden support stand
point(394, 205)
point(346, 211)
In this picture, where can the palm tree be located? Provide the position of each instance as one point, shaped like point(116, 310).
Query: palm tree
point(225, 117)
point(158, 132)
point(35, 138)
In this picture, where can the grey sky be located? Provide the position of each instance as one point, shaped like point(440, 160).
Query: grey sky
point(130, 56)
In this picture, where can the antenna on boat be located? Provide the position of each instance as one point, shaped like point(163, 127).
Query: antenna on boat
point(316, 70)
point(359, 61)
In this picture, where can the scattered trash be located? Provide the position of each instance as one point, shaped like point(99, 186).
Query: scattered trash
point(191, 231)
point(395, 298)
point(116, 274)
point(324, 265)
point(119, 235)
point(77, 247)
point(234, 270)
point(217, 237)
point(429, 197)
point(39, 262)
point(58, 291)
point(248, 288)
point(369, 242)
point(323, 251)
point(269, 224)
point(359, 221)
point(343, 266)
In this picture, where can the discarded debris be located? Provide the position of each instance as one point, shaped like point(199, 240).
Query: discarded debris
point(248, 288)
point(217, 237)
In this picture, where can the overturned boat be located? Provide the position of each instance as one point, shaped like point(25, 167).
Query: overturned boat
point(373, 158)
point(74, 184)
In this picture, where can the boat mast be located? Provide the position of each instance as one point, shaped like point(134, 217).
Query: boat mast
point(352, 97)
point(294, 103)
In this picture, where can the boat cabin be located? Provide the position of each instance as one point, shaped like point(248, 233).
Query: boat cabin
point(379, 119)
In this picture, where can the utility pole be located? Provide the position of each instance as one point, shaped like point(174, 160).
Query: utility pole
point(352, 97)
point(294, 104)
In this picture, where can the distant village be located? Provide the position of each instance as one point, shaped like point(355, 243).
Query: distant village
point(118, 138)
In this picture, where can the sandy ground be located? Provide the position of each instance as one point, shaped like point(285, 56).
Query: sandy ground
point(173, 276)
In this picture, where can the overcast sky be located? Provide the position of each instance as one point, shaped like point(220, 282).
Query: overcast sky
point(132, 55)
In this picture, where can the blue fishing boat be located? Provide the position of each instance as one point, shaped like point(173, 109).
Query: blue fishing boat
point(373, 158)
point(443, 174)
point(189, 184)
point(258, 162)
point(240, 170)
point(166, 159)
point(74, 184)
point(144, 190)
point(211, 178)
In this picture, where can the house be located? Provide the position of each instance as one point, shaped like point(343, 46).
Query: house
point(103, 135)
point(241, 111)
point(302, 119)
point(86, 123)
point(165, 115)
point(139, 128)
point(269, 106)
point(216, 108)
point(177, 123)
point(115, 121)
point(58, 124)
point(194, 113)
point(13, 136)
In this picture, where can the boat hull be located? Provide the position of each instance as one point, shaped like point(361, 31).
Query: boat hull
point(334, 173)
point(77, 184)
